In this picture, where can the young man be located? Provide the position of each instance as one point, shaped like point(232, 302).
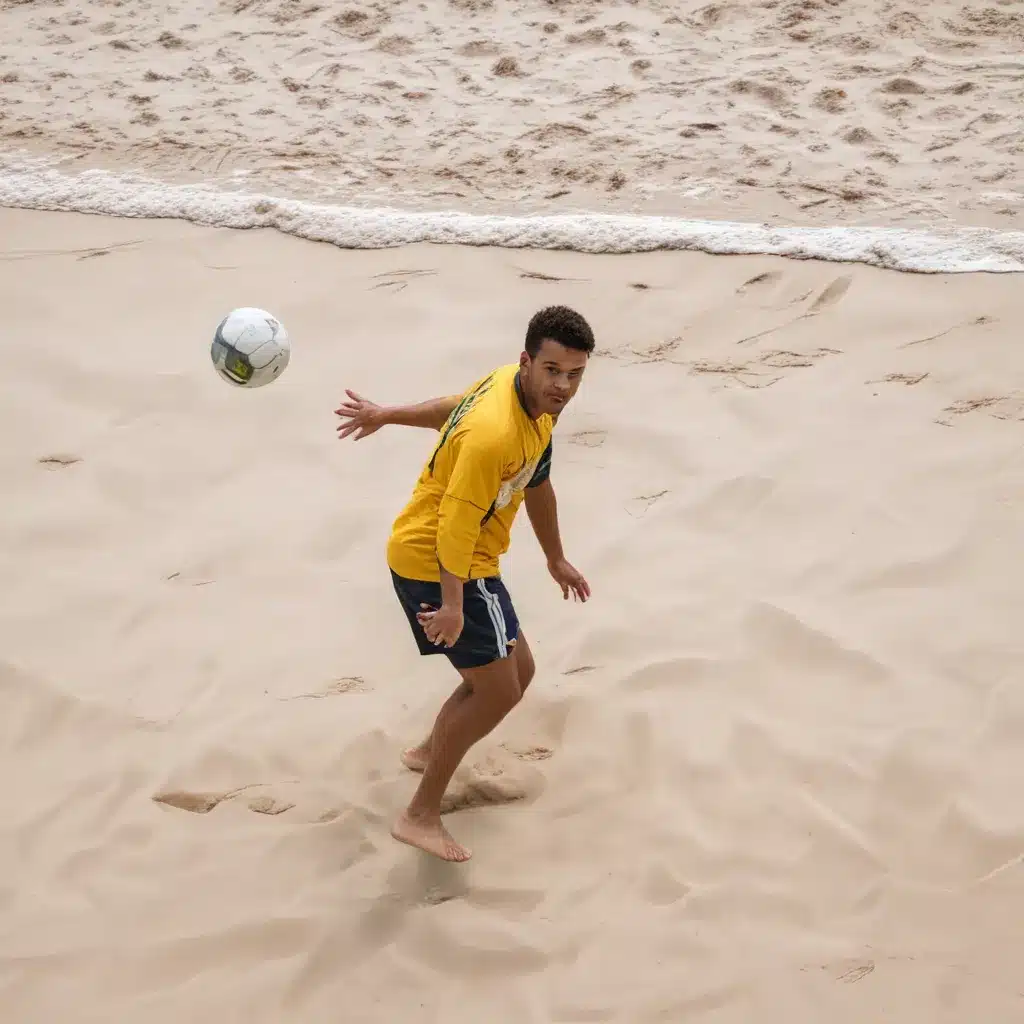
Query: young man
point(493, 453)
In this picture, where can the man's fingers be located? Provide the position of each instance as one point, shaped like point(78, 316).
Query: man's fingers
point(348, 428)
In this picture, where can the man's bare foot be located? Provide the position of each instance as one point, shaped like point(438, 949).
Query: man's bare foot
point(416, 759)
point(431, 837)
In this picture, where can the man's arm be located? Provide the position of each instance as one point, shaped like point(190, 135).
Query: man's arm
point(432, 413)
point(451, 589)
point(362, 417)
point(542, 508)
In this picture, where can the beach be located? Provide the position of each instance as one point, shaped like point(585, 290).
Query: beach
point(768, 772)
point(809, 111)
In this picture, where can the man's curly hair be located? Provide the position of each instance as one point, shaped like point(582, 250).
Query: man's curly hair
point(561, 324)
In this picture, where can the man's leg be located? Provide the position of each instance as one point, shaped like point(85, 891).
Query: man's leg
point(416, 758)
point(470, 713)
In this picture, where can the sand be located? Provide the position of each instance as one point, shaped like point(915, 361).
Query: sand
point(769, 772)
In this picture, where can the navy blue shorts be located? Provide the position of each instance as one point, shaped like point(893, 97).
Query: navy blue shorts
point(490, 626)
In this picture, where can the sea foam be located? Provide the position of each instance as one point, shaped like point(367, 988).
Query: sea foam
point(956, 250)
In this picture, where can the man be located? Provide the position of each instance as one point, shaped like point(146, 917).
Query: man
point(493, 454)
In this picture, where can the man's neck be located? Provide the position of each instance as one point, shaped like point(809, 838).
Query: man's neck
point(523, 400)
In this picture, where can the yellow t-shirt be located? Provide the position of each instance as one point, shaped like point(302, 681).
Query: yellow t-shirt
point(469, 491)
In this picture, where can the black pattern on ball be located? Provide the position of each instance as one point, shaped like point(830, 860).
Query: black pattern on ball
point(230, 363)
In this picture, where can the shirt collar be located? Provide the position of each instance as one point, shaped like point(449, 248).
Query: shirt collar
point(520, 395)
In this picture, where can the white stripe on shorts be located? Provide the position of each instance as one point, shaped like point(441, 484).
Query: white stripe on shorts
point(497, 618)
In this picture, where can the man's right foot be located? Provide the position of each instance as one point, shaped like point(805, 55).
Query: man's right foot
point(416, 759)
point(432, 838)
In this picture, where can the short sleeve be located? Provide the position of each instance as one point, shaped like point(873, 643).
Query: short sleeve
point(543, 470)
point(472, 487)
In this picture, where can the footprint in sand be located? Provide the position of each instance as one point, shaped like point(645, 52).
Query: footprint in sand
point(830, 295)
point(826, 298)
point(195, 803)
point(482, 792)
point(268, 805)
point(488, 785)
point(760, 283)
point(530, 753)
point(203, 803)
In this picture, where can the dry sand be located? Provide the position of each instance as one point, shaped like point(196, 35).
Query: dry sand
point(771, 772)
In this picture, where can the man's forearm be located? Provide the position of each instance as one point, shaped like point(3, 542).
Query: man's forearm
point(542, 509)
point(451, 589)
point(431, 414)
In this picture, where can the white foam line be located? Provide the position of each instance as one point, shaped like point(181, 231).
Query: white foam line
point(956, 251)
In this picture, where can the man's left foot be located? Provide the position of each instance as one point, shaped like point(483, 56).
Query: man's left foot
point(416, 759)
point(431, 837)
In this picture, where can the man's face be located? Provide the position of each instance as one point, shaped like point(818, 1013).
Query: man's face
point(552, 377)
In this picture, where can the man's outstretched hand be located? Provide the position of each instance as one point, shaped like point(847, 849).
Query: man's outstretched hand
point(569, 579)
point(359, 416)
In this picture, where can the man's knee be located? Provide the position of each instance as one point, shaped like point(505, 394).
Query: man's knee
point(497, 683)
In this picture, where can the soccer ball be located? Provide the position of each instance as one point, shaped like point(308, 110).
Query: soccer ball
point(250, 348)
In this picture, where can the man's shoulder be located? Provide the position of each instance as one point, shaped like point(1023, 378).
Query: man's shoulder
point(485, 400)
point(485, 384)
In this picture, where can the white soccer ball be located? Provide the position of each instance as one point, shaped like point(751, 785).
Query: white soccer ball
point(250, 348)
